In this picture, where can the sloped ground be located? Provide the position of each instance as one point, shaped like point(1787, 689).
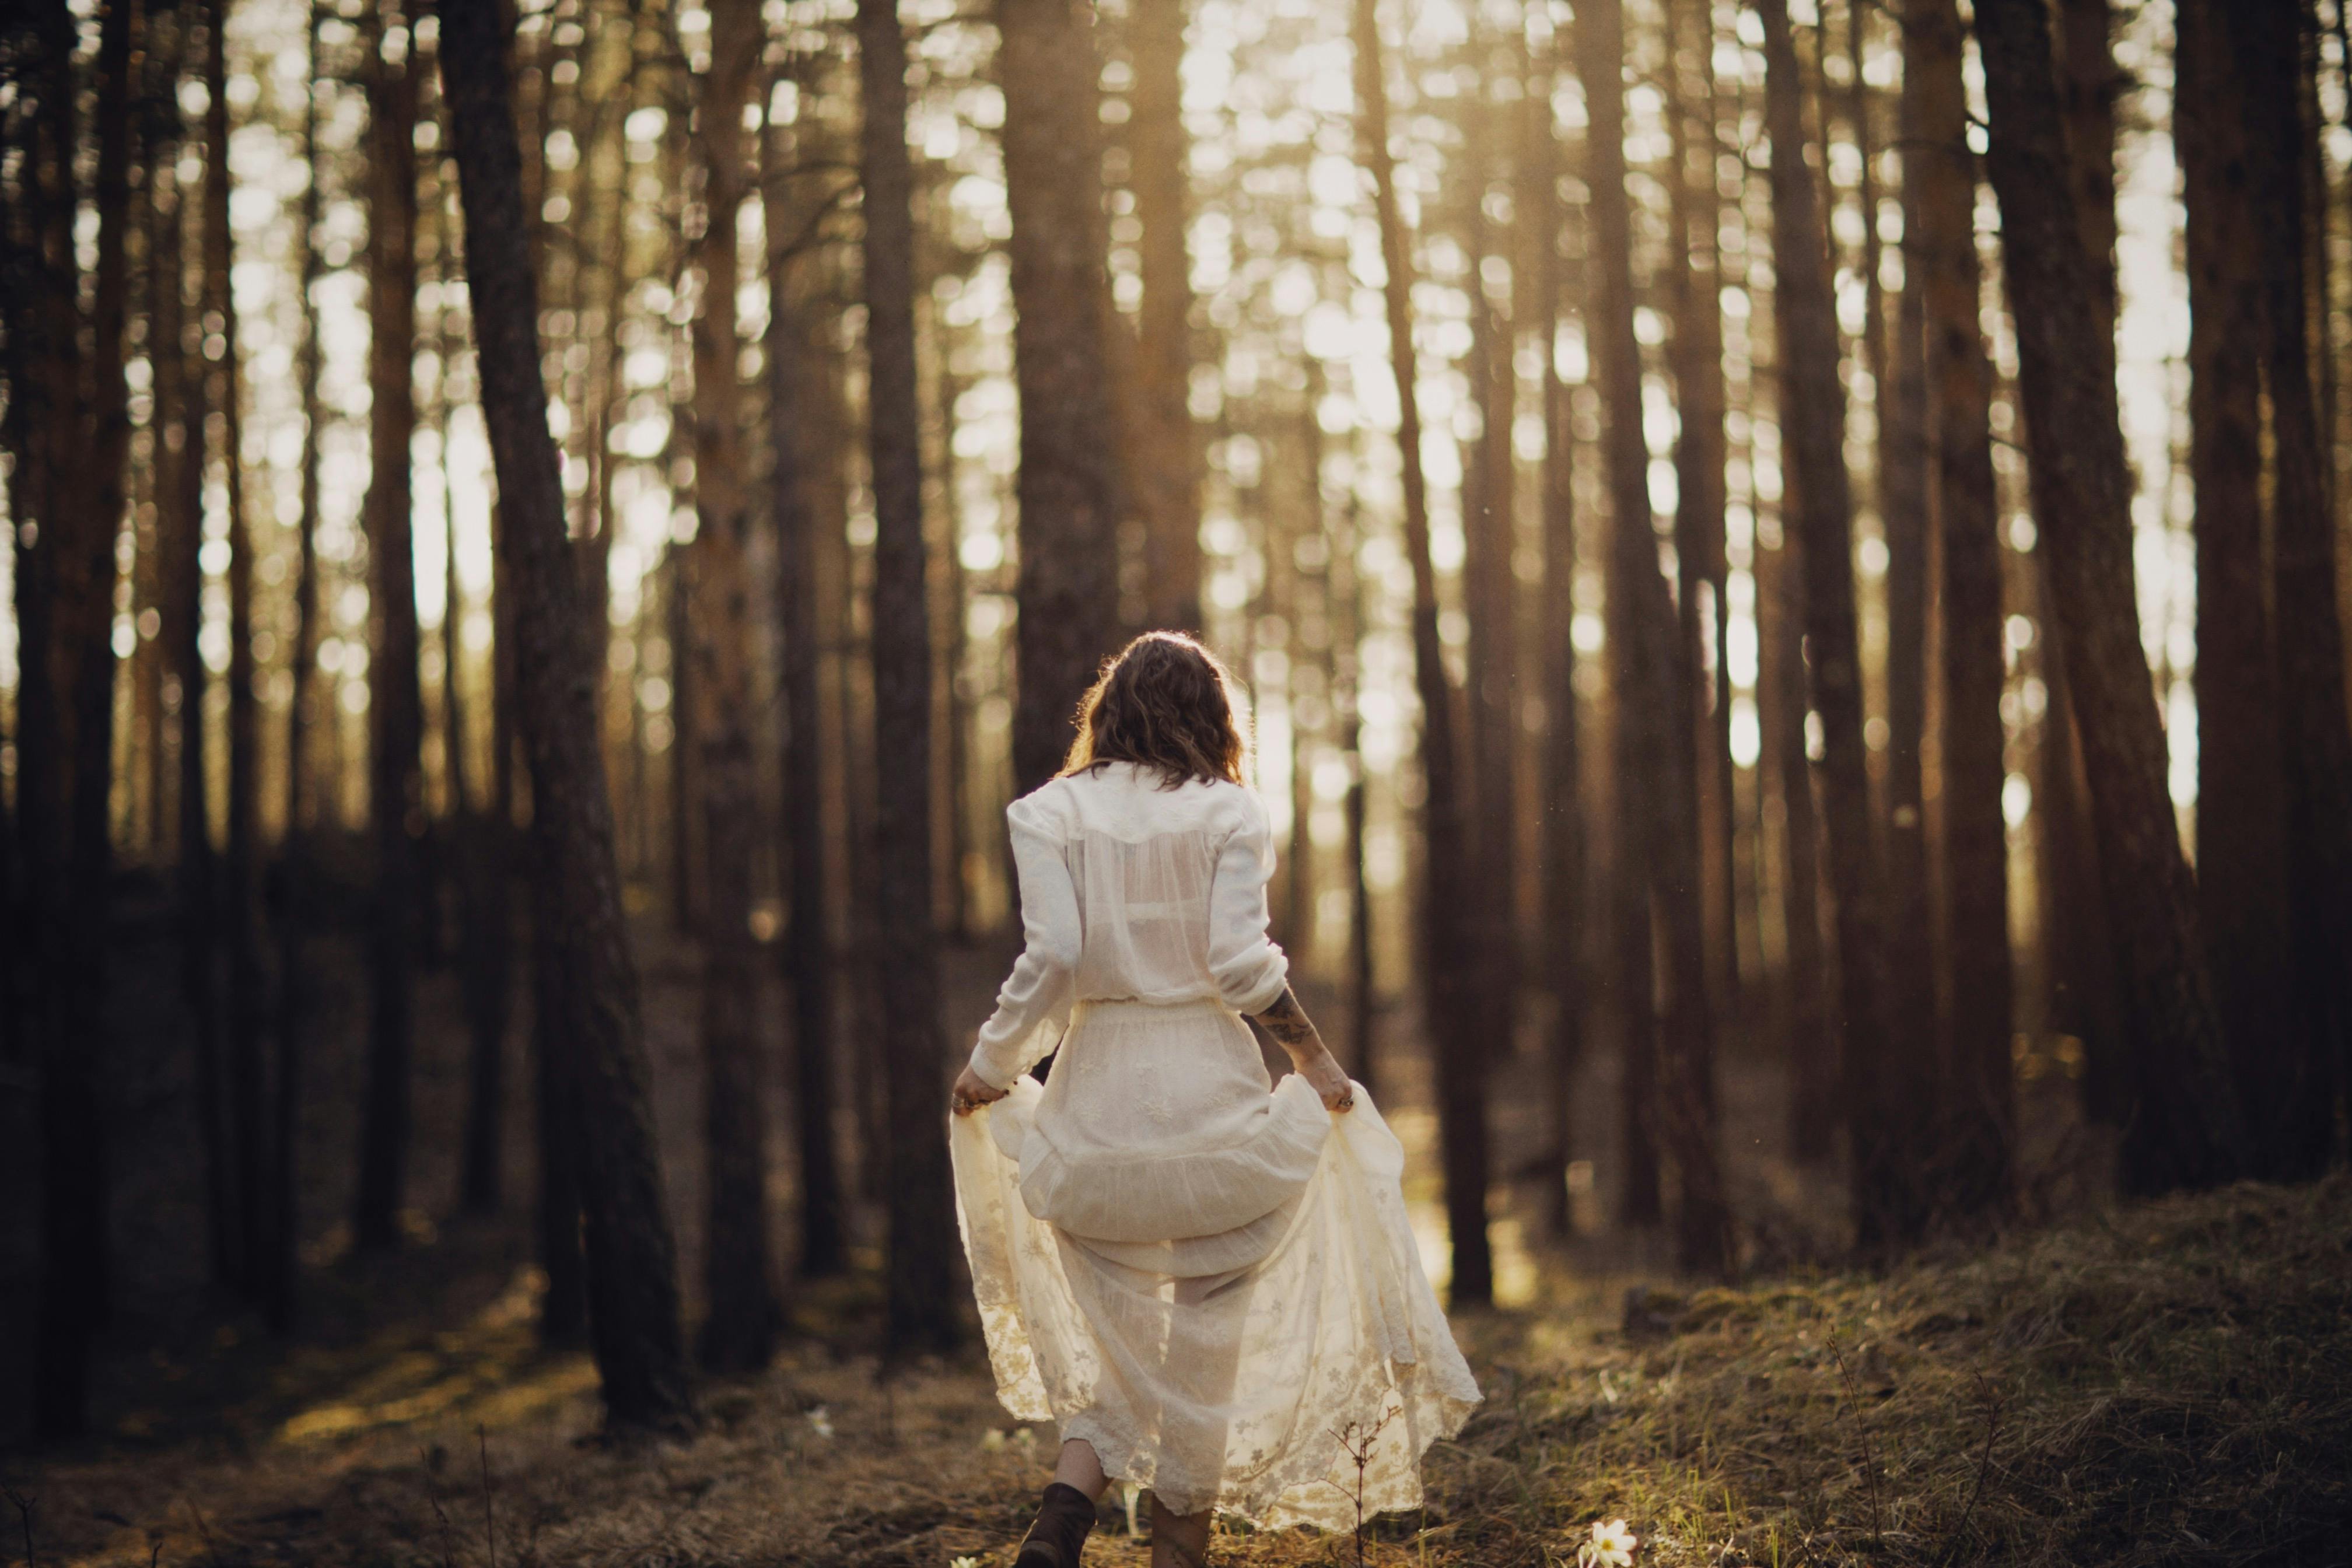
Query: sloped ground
point(2163, 1384)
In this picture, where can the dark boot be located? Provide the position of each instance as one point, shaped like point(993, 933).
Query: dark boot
point(1063, 1517)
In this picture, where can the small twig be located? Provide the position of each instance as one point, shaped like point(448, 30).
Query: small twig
point(204, 1531)
point(23, 1506)
point(1984, 1471)
point(432, 1495)
point(1869, 1463)
point(489, 1516)
point(1357, 1444)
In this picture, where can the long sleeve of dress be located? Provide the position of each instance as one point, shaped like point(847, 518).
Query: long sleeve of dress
point(1033, 1004)
point(1249, 969)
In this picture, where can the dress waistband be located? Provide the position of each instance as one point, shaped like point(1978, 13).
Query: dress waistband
point(1129, 1006)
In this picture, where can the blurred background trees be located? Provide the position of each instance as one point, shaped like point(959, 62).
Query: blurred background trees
point(1785, 560)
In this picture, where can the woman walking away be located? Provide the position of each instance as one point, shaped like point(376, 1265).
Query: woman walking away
point(1205, 1278)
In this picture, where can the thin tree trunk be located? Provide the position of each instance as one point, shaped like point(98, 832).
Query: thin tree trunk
point(1917, 1075)
point(1457, 1053)
point(738, 1275)
point(919, 1310)
point(1813, 403)
point(1656, 746)
point(1694, 218)
point(2186, 1130)
point(1939, 179)
point(278, 1274)
point(395, 704)
point(633, 1260)
point(1067, 488)
point(2299, 1125)
point(807, 949)
point(1167, 478)
point(1565, 900)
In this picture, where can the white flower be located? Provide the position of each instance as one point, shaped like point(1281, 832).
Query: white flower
point(1612, 1546)
point(820, 1421)
point(963, 1563)
point(1025, 1439)
point(992, 1441)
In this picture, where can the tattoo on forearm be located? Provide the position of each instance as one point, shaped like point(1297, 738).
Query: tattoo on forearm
point(1288, 1022)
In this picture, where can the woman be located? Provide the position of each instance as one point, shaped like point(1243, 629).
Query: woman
point(1206, 1278)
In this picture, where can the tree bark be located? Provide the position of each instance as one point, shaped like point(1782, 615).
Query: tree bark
point(1812, 403)
point(1565, 895)
point(1067, 591)
point(919, 1311)
point(2187, 1131)
point(632, 1260)
point(807, 946)
point(738, 1276)
point(396, 703)
point(1939, 178)
point(1651, 687)
point(1166, 478)
point(1458, 1054)
point(2299, 1123)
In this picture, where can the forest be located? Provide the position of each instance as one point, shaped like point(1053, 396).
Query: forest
point(1786, 564)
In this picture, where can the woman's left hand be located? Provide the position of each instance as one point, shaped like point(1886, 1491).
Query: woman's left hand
point(1329, 1081)
point(970, 1092)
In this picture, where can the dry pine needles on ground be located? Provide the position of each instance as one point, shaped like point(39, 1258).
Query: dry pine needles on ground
point(2168, 1382)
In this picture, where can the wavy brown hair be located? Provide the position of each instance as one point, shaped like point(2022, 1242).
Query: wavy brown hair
point(1164, 702)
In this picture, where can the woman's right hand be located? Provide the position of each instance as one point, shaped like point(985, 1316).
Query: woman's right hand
point(1324, 1075)
point(970, 1092)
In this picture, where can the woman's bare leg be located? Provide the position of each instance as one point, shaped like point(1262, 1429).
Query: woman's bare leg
point(1178, 1539)
point(1078, 1466)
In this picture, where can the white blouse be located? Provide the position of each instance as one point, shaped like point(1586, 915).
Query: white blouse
point(1132, 891)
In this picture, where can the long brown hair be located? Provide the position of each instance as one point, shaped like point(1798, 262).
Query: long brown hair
point(1164, 702)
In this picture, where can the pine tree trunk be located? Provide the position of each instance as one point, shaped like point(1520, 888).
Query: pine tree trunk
point(633, 1260)
point(1457, 1052)
point(807, 947)
point(1651, 687)
point(1565, 896)
point(2187, 1131)
point(1167, 477)
point(1939, 178)
point(919, 1311)
point(277, 1272)
point(1812, 405)
point(1067, 488)
point(1903, 503)
point(2299, 1123)
point(396, 703)
point(738, 1276)
point(2241, 814)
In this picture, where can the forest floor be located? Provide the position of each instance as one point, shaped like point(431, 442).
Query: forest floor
point(2168, 1383)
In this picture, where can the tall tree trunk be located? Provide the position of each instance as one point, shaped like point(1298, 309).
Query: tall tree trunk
point(2301, 1122)
point(1694, 218)
point(1812, 403)
point(1651, 687)
point(241, 906)
point(919, 1310)
point(1067, 490)
point(1565, 901)
point(1903, 508)
point(396, 703)
point(2241, 810)
point(1166, 478)
point(1941, 186)
point(1457, 1052)
point(738, 1276)
point(276, 1277)
point(1810, 1040)
point(807, 949)
point(633, 1260)
point(2186, 1130)
point(68, 489)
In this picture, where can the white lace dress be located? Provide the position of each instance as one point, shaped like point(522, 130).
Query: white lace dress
point(1207, 1277)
